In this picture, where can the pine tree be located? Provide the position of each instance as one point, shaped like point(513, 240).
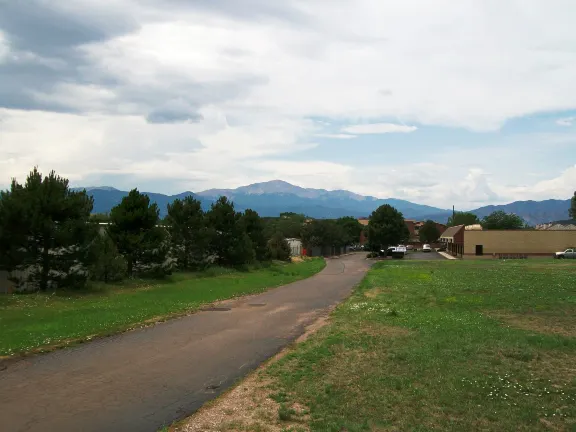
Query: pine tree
point(107, 264)
point(46, 232)
point(133, 228)
point(229, 242)
point(188, 233)
point(572, 209)
point(254, 227)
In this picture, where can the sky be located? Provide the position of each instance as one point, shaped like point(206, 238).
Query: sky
point(464, 103)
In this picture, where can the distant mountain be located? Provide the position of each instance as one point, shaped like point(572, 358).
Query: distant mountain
point(533, 212)
point(275, 197)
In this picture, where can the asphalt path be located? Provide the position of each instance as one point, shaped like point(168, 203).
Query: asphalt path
point(145, 379)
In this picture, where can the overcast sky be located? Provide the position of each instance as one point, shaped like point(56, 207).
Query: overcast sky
point(439, 102)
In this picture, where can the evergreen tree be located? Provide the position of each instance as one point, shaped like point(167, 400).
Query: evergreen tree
point(386, 227)
point(230, 243)
point(254, 227)
point(46, 232)
point(188, 233)
point(463, 218)
point(572, 209)
point(278, 248)
point(133, 228)
point(107, 264)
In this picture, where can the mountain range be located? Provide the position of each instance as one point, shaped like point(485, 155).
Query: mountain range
point(277, 196)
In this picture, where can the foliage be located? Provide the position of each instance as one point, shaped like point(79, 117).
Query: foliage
point(107, 264)
point(387, 227)
point(323, 233)
point(45, 232)
point(133, 229)
point(29, 322)
point(278, 248)
point(230, 243)
point(254, 227)
point(450, 345)
point(289, 224)
point(500, 220)
point(429, 232)
point(100, 217)
point(572, 210)
point(186, 223)
point(463, 218)
point(351, 229)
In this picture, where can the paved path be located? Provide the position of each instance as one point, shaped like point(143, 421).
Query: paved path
point(144, 379)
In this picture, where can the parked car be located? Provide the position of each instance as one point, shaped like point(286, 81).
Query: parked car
point(569, 253)
point(396, 251)
point(442, 248)
point(426, 248)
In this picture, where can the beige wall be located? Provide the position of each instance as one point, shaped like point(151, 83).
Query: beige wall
point(519, 242)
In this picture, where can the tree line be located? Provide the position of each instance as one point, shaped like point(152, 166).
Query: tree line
point(49, 239)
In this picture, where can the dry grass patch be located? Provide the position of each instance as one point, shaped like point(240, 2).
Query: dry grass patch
point(556, 324)
point(381, 330)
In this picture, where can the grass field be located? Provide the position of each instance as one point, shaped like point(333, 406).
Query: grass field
point(40, 321)
point(440, 345)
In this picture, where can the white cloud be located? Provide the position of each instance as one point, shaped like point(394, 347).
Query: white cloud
point(567, 121)
point(335, 136)
point(379, 128)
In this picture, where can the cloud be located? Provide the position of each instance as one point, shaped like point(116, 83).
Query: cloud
point(335, 136)
point(379, 128)
point(208, 92)
point(567, 121)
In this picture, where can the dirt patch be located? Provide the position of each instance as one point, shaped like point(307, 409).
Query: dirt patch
point(297, 259)
point(250, 406)
point(378, 330)
point(372, 293)
point(562, 325)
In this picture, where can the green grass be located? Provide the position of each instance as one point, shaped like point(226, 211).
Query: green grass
point(38, 321)
point(443, 345)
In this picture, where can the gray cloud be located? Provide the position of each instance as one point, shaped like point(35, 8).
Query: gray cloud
point(48, 29)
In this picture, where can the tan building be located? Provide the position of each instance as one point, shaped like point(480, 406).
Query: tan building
point(491, 243)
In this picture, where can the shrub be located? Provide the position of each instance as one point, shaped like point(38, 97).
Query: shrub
point(278, 248)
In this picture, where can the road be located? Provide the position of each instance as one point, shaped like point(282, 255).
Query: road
point(148, 378)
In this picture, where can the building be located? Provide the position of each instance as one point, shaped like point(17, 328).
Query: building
point(474, 242)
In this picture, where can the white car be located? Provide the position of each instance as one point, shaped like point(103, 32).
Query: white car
point(426, 248)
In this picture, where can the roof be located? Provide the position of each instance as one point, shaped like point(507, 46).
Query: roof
point(451, 231)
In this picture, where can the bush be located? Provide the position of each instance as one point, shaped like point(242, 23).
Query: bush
point(278, 248)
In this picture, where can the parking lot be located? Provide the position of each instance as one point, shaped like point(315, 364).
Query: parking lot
point(419, 255)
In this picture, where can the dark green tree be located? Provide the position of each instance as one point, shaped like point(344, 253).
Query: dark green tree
point(45, 232)
point(278, 248)
point(351, 230)
point(186, 223)
point(100, 217)
point(323, 233)
point(133, 228)
point(254, 227)
point(572, 210)
point(500, 220)
point(429, 232)
point(107, 264)
point(386, 227)
point(229, 241)
point(289, 224)
point(463, 218)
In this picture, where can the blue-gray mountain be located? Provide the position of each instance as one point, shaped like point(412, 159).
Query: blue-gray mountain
point(275, 197)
